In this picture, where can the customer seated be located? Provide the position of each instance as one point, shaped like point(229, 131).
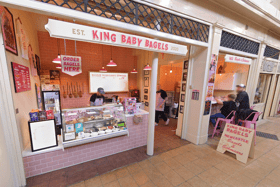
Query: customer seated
point(228, 106)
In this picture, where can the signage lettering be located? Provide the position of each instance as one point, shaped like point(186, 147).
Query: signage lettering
point(237, 140)
point(237, 59)
point(60, 29)
point(71, 65)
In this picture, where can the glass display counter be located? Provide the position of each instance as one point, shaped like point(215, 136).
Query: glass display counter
point(90, 124)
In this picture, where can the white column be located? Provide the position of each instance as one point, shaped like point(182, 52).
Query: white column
point(152, 106)
point(11, 163)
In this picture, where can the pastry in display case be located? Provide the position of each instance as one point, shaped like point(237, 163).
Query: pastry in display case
point(93, 123)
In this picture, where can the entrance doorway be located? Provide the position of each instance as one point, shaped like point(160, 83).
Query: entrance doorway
point(170, 78)
point(262, 92)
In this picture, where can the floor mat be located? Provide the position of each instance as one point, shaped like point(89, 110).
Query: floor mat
point(267, 135)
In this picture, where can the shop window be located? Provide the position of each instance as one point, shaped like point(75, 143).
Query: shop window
point(139, 14)
point(239, 43)
point(271, 52)
point(262, 88)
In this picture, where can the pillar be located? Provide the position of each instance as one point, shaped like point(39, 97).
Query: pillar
point(152, 106)
point(195, 128)
point(11, 164)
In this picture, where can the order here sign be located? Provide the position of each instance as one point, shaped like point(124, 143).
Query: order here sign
point(71, 65)
point(66, 30)
point(237, 140)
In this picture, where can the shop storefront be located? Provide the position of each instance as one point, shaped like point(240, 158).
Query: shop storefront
point(86, 132)
point(134, 35)
point(266, 95)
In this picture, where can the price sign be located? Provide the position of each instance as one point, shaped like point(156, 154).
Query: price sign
point(21, 77)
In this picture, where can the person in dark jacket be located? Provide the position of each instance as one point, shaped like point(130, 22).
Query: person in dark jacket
point(242, 99)
point(228, 106)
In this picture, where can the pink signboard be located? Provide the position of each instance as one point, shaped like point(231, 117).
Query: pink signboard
point(21, 77)
point(71, 65)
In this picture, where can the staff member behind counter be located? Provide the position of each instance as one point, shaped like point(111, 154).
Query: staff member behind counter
point(98, 98)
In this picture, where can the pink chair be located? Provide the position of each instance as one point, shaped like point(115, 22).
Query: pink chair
point(247, 123)
point(252, 107)
point(231, 120)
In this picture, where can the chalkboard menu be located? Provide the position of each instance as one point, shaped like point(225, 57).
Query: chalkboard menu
point(21, 77)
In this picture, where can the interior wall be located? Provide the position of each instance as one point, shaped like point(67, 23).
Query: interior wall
point(94, 56)
point(231, 68)
point(167, 80)
point(24, 101)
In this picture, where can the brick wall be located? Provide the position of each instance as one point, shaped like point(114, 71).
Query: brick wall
point(91, 61)
point(46, 162)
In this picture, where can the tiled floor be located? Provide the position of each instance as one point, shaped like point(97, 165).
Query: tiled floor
point(165, 140)
point(198, 166)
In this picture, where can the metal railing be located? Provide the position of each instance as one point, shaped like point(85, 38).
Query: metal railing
point(139, 14)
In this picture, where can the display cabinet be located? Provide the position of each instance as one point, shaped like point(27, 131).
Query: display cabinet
point(89, 124)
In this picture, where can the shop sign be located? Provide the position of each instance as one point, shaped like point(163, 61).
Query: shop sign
point(71, 65)
point(65, 30)
point(237, 59)
point(237, 140)
point(21, 77)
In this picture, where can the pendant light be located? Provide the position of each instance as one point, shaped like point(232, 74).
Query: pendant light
point(171, 68)
point(148, 67)
point(134, 69)
point(57, 60)
point(111, 63)
point(103, 68)
point(58, 66)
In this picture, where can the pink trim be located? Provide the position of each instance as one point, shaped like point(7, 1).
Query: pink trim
point(47, 162)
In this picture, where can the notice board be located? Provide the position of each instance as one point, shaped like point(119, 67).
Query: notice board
point(111, 82)
point(237, 140)
point(21, 77)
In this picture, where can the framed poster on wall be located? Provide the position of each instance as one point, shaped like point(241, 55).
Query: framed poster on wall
point(146, 81)
point(42, 135)
point(8, 29)
point(146, 97)
point(39, 96)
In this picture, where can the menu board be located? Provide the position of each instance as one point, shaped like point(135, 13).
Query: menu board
point(21, 77)
point(110, 82)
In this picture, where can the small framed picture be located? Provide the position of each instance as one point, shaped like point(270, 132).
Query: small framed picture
point(8, 29)
point(186, 64)
point(146, 97)
point(185, 76)
point(146, 72)
point(146, 103)
point(184, 87)
point(146, 91)
point(181, 109)
point(182, 97)
point(38, 64)
point(146, 81)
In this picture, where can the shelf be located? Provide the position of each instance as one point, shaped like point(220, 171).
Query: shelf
point(98, 120)
point(76, 142)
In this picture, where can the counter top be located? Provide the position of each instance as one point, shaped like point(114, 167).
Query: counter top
point(27, 151)
point(92, 107)
point(141, 112)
